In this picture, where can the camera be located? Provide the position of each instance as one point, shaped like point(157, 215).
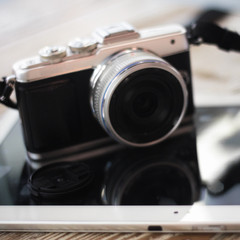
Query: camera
point(130, 86)
point(120, 104)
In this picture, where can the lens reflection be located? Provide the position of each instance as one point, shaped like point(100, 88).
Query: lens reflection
point(150, 183)
point(157, 186)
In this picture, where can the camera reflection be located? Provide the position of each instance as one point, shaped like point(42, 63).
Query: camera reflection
point(166, 174)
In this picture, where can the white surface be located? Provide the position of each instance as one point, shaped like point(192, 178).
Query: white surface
point(125, 219)
point(7, 121)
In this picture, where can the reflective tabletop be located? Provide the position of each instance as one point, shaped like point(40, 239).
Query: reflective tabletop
point(199, 164)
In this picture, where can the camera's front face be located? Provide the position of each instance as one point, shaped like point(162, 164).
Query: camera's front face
point(134, 87)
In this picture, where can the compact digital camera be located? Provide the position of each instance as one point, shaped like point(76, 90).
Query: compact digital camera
point(91, 100)
point(131, 86)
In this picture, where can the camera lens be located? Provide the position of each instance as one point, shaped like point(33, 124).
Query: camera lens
point(145, 104)
point(138, 98)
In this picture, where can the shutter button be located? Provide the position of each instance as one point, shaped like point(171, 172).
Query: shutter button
point(83, 46)
point(53, 54)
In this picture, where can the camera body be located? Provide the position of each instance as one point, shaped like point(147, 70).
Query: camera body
point(133, 87)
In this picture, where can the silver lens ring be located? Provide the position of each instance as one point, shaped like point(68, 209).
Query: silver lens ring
point(111, 74)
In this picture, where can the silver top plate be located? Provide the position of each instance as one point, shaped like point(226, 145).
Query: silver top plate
point(157, 40)
point(116, 33)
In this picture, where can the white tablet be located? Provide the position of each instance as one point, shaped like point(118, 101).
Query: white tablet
point(171, 187)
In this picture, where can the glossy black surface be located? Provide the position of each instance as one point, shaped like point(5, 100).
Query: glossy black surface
point(164, 175)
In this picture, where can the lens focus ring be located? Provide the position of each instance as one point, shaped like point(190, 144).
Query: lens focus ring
point(107, 75)
point(110, 76)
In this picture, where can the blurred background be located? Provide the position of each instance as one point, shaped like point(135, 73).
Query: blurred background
point(27, 26)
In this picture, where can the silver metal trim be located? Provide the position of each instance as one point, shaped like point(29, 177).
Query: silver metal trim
point(81, 156)
point(156, 40)
point(116, 33)
point(59, 153)
point(114, 74)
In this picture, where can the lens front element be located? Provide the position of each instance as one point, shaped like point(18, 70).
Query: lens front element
point(138, 98)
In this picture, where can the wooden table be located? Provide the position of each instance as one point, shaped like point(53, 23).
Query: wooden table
point(118, 236)
point(26, 26)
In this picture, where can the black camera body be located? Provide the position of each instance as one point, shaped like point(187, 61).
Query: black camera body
point(133, 86)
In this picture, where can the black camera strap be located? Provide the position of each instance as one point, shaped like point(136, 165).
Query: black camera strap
point(6, 89)
point(210, 33)
point(204, 30)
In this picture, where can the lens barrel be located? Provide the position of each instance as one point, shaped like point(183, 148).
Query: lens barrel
point(138, 98)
